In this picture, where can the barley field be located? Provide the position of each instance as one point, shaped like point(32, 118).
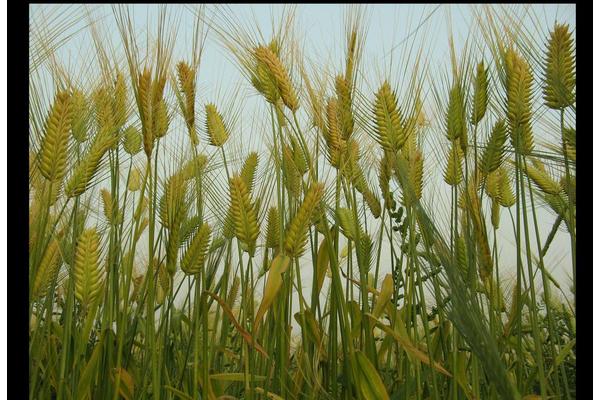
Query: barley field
point(381, 219)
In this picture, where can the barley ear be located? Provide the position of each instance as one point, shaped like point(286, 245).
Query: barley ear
point(388, 122)
point(456, 123)
point(273, 232)
point(494, 150)
point(453, 173)
point(519, 97)
point(47, 271)
point(87, 271)
point(559, 77)
point(280, 74)
point(244, 214)
point(195, 253)
point(295, 235)
point(480, 94)
point(55, 144)
point(215, 126)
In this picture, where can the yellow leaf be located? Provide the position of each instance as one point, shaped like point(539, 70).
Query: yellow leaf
point(387, 290)
point(370, 384)
point(126, 385)
point(274, 281)
point(409, 347)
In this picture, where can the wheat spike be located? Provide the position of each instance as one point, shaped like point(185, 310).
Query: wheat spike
point(346, 119)
point(384, 176)
point(248, 172)
point(161, 119)
point(47, 271)
point(280, 76)
point(145, 109)
point(453, 174)
point(388, 121)
point(415, 177)
point(265, 83)
point(103, 109)
point(333, 134)
point(132, 140)
point(345, 219)
point(506, 195)
point(135, 180)
point(559, 78)
point(494, 150)
point(301, 160)
point(173, 202)
point(456, 123)
point(164, 280)
point(480, 94)
point(87, 271)
point(86, 169)
point(112, 216)
point(79, 123)
point(194, 167)
point(215, 126)
point(519, 98)
point(296, 233)
point(569, 138)
point(537, 172)
point(192, 261)
point(55, 145)
point(291, 176)
point(272, 235)
point(244, 214)
point(187, 85)
point(495, 214)
point(120, 106)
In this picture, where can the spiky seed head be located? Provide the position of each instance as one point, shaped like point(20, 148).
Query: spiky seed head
point(537, 172)
point(244, 214)
point(120, 106)
point(480, 94)
point(86, 169)
point(453, 174)
point(333, 134)
point(388, 121)
point(456, 123)
point(295, 235)
point(132, 140)
point(80, 122)
point(559, 78)
point(135, 180)
point(569, 139)
point(344, 99)
point(195, 253)
point(519, 97)
point(53, 154)
point(194, 167)
point(145, 109)
point(87, 271)
point(47, 270)
point(161, 119)
point(493, 153)
point(215, 126)
point(248, 172)
point(187, 85)
point(173, 202)
point(384, 176)
point(280, 75)
point(272, 235)
point(291, 176)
